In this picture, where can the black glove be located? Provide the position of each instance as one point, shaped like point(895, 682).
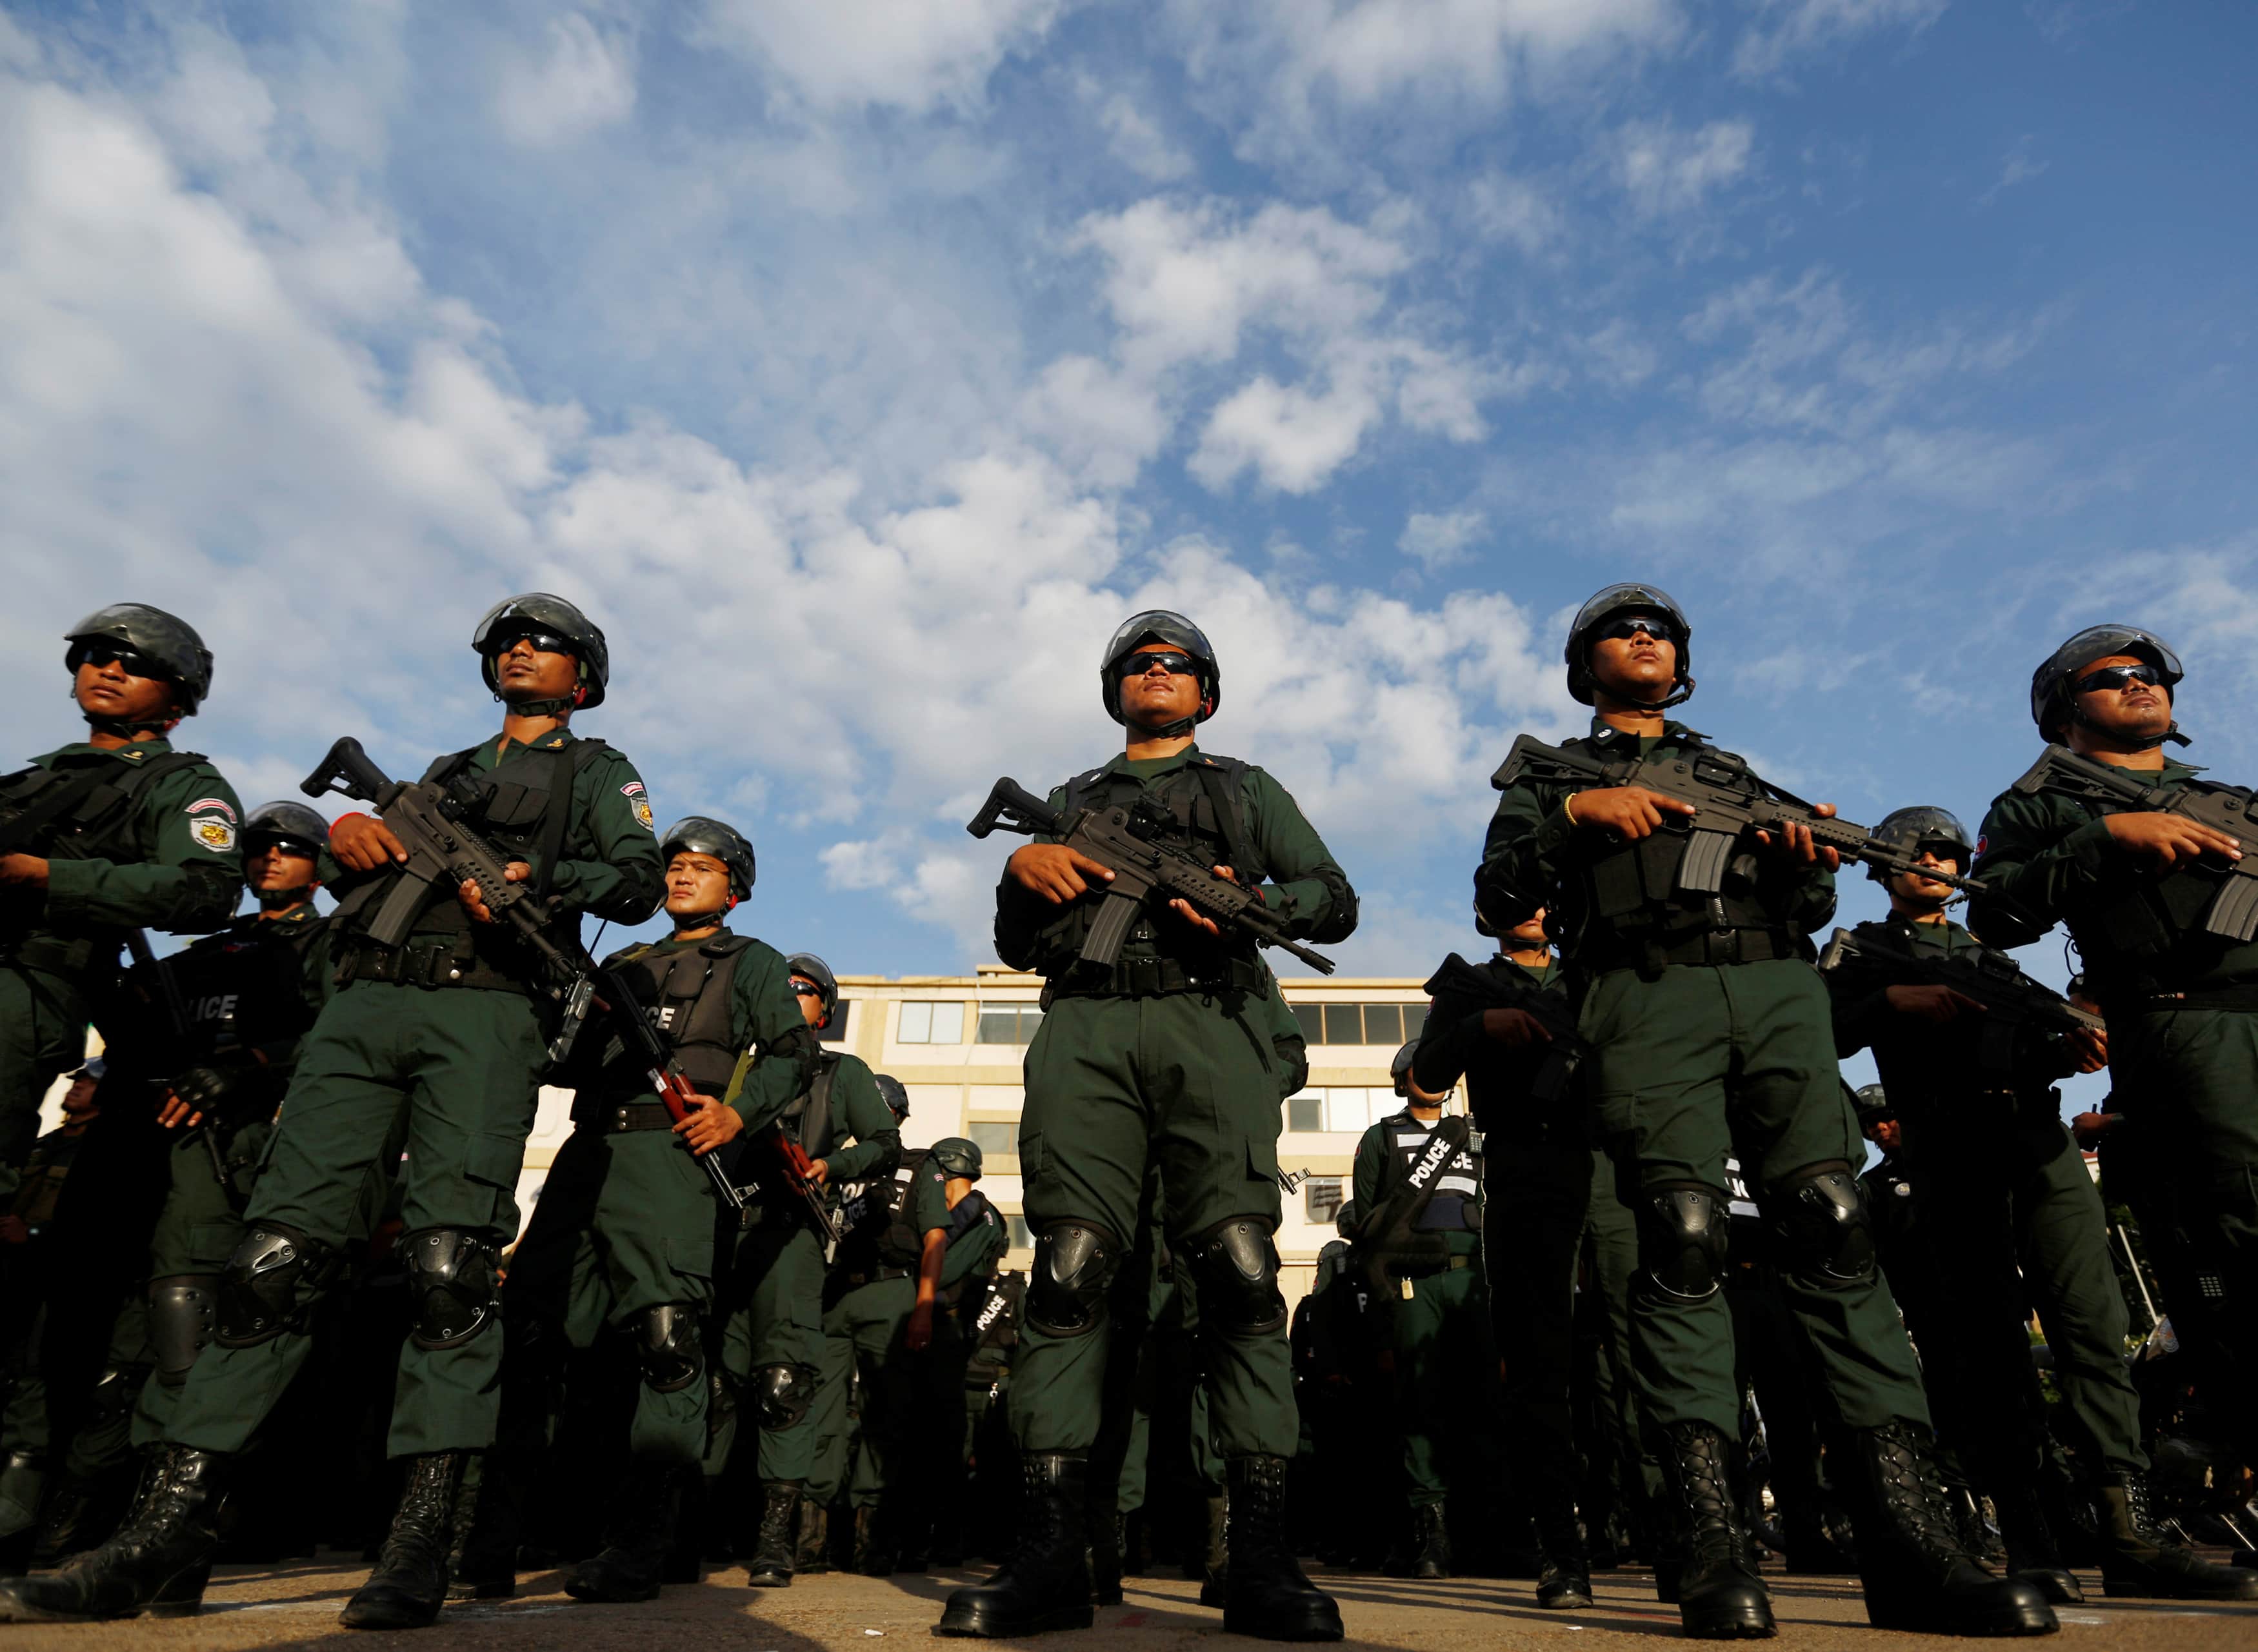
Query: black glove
point(208, 1090)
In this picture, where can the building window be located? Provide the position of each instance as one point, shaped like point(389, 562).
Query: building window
point(993, 1137)
point(1008, 1024)
point(1305, 1113)
point(1321, 1199)
point(1022, 1238)
point(836, 1032)
point(925, 1023)
point(1387, 1024)
point(1340, 1109)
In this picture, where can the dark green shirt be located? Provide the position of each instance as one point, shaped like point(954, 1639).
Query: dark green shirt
point(857, 1110)
point(2046, 860)
point(977, 1248)
point(1535, 853)
point(610, 864)
point(176, 866)
point(1304, 887)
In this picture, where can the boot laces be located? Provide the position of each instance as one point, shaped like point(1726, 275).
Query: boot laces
point(1912, 1494)
point(1699, 1464)
point(424, 1523)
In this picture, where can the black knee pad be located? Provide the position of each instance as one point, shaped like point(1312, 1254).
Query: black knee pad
point(454, 1284)
point(270, 1285)
point(1065, 1288)
point(114, 1395)
point(785, 1393)
point(1683, 1233)
point(667, 1343)
point(1235, 1267)
point(1822, 1228)
point(183, 1312)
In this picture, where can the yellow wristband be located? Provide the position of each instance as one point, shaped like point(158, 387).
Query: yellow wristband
point(1568, 808)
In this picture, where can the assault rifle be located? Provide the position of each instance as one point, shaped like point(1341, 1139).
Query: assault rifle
point(1728, 801)
point(1125, 840)
point(792, 1163)
point(2234, 910)
point(2011, 1001)
point(443, 853)
point(1557, 1060)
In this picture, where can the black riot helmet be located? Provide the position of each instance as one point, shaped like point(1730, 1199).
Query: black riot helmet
point(702, 834)
point(2051, 696)
point(808, 967)
point(894, 1093)
point(167, 642)
point(538, 611)
point(1627, 598)
point(1160, 625)
point(285, 822)
point(956, 1157)
point(1870, 1105)
point(1910, 831)
point(1399, 1068)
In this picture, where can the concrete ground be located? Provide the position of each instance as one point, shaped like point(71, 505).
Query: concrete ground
point(297, 1606)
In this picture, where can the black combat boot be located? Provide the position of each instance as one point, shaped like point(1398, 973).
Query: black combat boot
point(1265, 1594)
point(1431, 1542)
point(1809, 1547)
point(811, 1546)
point(1215, 1567)
point(409, 1584)
point(1713, 1579)
point(1564, 1577)
point(157, 1563)
point(2140, 1558)
point(632, 1563)
point(873, 1555)
point(770, 1566)
point(1103, 1557)
point(1045, 1584)
point(1914, 1563)
point(2032, 1555)
point(23, 1486)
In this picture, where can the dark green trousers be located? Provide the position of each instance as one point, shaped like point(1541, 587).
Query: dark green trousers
point(2009, 1215)
point(775, 1318)
point(458, 1063)
point(625, 1223)
point(1440, 1334)
point(863, 1335)
point(196, 1231)
point(1115, 1085)
point(1697, 1062)
point(2187, 1081)
point(43, 1021)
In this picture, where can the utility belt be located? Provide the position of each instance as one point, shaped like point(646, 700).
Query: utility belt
point(434, 962)
point(2149, 998)
point(52, 955)
point(861, 1277)
point(618, 1117)
point(1427, 1270)
point(1648, 952)
point(1158, 978)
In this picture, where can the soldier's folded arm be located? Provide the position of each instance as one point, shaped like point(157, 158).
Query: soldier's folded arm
point(1521, 849)
point(1308, 892)
point(191, 885)
point(2037, 852)
point(877, 1146)
point(1447, 1043)
point(783, 1044)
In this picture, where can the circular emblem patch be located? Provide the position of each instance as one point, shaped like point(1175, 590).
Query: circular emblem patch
point(215, 833)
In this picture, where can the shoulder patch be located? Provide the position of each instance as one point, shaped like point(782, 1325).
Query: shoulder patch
point(220, 804)
point(640, 801)
point(1983, 843)
point(212, 832)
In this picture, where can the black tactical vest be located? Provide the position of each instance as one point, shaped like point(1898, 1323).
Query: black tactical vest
point(1451, 1209)
point(246, 987)
point(1204, 809)
point(688, 993)
point(809, 1118)
point(523, 810)
point(2143, 932)
point(80, 810)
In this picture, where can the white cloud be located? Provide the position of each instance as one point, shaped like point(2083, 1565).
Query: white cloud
point(1666, 170)
point(582, 81)
point(1513, 210)
point(1787, 29)
point(1436, 541)
point(2018, 167)
point(917, 55)
point(1139, 142)
point(1292, 438)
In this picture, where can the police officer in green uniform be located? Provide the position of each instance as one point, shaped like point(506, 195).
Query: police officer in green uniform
point(623, 1235)
point(1710, 1035)
point(1167, 1056)
point(250, 992)
point(1433, 1301)
point(772, 1348)
point(1551, 1203)
point(2182, 1004)
point(866, 1211)
point(450, 1028)
point(98, 838)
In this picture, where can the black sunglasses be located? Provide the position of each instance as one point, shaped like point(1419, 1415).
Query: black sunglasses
point(543, 641)
point(807, 990)
point(132, 662)
point(1643, 625)
point(2118, 677)
point(1174, 664)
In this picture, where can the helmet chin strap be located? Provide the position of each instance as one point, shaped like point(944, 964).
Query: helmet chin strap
point(559, 708)
point(2144, 742)
point(125, 727)
point(282, 900)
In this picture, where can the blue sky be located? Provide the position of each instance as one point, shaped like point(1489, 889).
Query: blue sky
point(859, 365)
